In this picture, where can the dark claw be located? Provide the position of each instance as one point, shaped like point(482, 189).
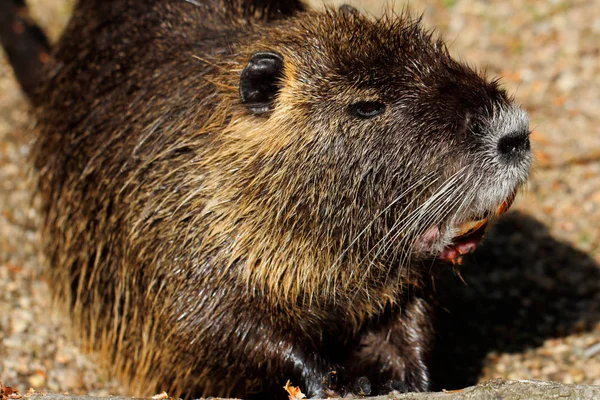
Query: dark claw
point(332, 380)
point(362, 386)
point(330, 384)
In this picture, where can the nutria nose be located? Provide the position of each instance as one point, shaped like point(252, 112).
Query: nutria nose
point(514, 145)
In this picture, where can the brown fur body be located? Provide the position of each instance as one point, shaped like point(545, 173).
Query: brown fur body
point(204, 250)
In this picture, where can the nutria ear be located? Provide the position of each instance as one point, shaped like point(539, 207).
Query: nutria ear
point(348, 10)
point(259, 81)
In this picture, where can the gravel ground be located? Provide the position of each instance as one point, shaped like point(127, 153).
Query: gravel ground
point(530, 307)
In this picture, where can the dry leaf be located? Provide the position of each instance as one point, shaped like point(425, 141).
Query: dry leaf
point(294, 391)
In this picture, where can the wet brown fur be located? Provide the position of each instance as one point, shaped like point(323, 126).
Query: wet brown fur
point(204, 250)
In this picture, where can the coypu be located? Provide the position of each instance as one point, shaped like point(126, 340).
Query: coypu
point(240, 193)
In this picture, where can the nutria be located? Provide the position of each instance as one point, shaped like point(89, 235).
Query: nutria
point(236, 194)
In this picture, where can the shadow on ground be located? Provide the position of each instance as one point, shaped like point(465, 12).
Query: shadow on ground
point(522, 287)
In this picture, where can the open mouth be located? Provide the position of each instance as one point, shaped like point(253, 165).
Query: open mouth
point(465, 242)
point(470, 234)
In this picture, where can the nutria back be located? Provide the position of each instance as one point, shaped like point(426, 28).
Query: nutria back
point(241, 193)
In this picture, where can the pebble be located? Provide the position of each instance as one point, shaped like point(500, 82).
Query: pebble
point(37, 380)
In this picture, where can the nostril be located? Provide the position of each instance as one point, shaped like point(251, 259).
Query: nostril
point(513, 143)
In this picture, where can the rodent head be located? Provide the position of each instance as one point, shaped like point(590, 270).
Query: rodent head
point(381, 146)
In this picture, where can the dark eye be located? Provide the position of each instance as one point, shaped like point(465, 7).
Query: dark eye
point(367, 109)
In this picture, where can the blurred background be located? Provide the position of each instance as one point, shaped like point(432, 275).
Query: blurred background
point(529, 306)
